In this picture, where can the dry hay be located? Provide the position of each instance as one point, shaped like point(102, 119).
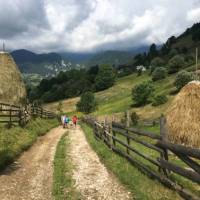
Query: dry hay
point(183, 116)
point(12, 88)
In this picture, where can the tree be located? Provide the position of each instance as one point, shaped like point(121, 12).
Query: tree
point(105, 78)
point(175, 64)
point(159, 100)
point(173, 52)
point(134, 118)
point(153, 51)
point(156, 62)
point(142, 93)
point(92, 73)
point(182, 78)
point(159, 73)
point(87, 103)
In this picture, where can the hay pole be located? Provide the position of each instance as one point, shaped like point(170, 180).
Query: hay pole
point(196, 63)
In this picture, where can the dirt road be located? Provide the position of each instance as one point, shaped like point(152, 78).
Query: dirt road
point(92, 179)
point(30, 178)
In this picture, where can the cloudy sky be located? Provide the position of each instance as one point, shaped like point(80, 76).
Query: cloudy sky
point(90, 25)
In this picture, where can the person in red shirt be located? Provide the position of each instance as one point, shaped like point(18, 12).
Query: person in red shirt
point(75, 120)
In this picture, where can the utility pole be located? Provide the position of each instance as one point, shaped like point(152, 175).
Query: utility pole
point(196, 62)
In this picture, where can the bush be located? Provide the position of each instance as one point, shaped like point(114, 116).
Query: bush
point(87, 103)
point(159, 100)
point(142, 93)
point(105, 78)
point(182, 78)
point(156, 62)
point(134, 118)
point(159, 73)
point(175, 64)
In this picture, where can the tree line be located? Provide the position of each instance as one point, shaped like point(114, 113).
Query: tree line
point(73, 83)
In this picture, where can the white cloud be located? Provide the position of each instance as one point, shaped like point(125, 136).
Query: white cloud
point(86, 25)
point(194, 15)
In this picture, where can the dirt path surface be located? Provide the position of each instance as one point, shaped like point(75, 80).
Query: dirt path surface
point(92, 178)
point(30, 177)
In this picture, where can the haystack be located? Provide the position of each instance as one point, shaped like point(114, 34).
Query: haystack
point(12, 88)
point(183, 116)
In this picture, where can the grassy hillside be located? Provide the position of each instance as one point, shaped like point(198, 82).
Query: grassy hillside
point(118, 98)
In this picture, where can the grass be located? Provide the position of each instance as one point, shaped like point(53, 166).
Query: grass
point(139, 184)
point(62, 178)
point(16, 140)
point(117, 99)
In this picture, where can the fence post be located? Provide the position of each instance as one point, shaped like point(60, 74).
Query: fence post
point(164, 136)
point(41, 114)
point(127, 119)
point(127, 126)
point(113, 135)
point(20, 117)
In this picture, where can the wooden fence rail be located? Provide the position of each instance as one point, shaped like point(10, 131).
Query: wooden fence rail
point(127, 142)
point(12, 114)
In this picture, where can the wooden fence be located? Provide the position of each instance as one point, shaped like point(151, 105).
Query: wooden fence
point(153, 154)
point(12, 114)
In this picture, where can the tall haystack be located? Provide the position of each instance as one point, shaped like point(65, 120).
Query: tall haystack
point(12, 88)
point(183, 116)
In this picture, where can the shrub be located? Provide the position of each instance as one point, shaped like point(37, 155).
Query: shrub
point(175, 64)
point(159, 73)
point(182, 78)
point(142, 93)
point(134, 118)
point(87, 103)
point(159, 100)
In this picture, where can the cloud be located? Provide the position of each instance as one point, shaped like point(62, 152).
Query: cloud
point(20, 16)
point(193, 15)
point(91, 25)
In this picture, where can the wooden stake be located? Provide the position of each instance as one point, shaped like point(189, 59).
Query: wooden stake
point(196, 63)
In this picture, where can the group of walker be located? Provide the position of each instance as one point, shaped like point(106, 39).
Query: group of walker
point(67, 121)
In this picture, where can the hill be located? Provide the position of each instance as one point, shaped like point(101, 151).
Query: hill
point(118, 98)
point(76, 58)
point(48, 64)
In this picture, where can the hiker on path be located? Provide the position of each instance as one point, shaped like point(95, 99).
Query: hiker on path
point(63, 119)
point(67, 120)
point(75, 120)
